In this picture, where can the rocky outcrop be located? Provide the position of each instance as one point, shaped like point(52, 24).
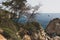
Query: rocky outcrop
point(26, 37)
point(53, 27)
point(55, 38)
point(42, 35)
point(36, 34)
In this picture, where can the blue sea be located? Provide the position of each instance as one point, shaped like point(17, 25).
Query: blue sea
point(42, 18)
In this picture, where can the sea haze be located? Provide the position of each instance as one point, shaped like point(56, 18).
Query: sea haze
point(45, 18)
point(42, 18)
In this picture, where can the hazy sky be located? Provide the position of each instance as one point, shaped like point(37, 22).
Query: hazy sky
point(48, 6)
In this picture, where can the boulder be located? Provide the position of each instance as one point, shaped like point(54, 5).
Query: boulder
point(2, 37)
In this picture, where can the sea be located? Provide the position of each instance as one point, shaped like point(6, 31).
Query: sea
point(42, 18)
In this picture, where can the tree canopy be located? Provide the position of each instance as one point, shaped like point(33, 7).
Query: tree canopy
point(16, 5)
point(20, 7)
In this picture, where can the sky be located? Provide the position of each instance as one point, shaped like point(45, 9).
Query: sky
point(47, 6)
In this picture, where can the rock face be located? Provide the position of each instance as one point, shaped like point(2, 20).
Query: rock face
point(35, 33)
point(42, 35)
point(55, 38)
point(26, 37)
point(53, 27)
point(2, 37)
